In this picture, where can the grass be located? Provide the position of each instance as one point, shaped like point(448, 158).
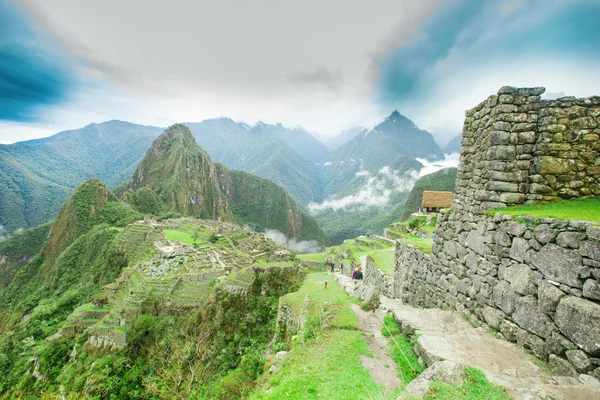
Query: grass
point(384, 260)
point(583, 210)
point(475, 387)
point(316, 257)
point(178, 236)
point(327, 368)
point(341, 316)
point(401, 351)
point(425, 245)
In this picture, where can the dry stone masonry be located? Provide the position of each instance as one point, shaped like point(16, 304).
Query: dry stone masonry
point(517, 148)
point(535, 281)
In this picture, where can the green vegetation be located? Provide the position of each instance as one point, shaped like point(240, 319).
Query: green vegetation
point(326, 362)
point(401, 350)
point(179, 236)
point(383, 259)
point(19, 250)
point(579, 209)
point(315, 257)
point(328, 368)
point(476, 387)
point(332, 298)
point(37, 177)
point(442, 180)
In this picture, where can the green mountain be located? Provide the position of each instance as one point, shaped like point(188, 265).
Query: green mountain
point(395, 142)
point(38, 176)
point(110, 309)
point(442, 180)
point(374, 165)
point(176, 175)
point(285, 156)
point(182, 176)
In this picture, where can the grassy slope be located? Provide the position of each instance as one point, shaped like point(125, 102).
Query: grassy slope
point(582, 210)
point(326, 366)
point(442, 180)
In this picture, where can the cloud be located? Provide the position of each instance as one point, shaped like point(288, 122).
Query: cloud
point(33, 73)
point(302, 246)
point(331, 80)
point(429, 167)
point(376, 191)
point(378, 188)
point(468, 49)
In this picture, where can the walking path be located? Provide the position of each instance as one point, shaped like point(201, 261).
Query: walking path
point(380, 365)
point(444, 335)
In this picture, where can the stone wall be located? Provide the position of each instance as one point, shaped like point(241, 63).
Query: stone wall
point(373, 276)
point(518, 148)
point(535, 281)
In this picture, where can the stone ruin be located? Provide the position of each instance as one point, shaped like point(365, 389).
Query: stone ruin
point(534, 281)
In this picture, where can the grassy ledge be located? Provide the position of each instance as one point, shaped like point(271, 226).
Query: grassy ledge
point(475, 387)
point(401, 351)
point(580, 209)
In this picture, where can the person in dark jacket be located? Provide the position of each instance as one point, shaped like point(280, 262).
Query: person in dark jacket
point(357, 275)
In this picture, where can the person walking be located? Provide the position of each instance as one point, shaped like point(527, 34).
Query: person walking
point(357, 275)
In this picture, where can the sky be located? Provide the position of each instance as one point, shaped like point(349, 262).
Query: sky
point(326, 65)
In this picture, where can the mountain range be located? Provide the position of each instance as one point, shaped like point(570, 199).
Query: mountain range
point(38, 176)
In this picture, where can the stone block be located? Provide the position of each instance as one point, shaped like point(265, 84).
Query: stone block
point(509, 330)
point(518, 249)
point(501, 153)
point(561, 367)
point(579, 360)
point(504, 297)
point(548, 296)
point(528, 316)
point(493, 317)
point(551, 165)
point(590, 250)
point(559, 264)
point(521, 280)
point(476, 242)
point(513, 228)
point(579, 320)
point(591, 289)
point(544, 233)
point(569, 239)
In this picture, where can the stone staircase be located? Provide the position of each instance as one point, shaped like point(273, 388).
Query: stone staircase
point(445, 335)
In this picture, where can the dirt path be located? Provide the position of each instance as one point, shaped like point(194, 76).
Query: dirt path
point(381, 366)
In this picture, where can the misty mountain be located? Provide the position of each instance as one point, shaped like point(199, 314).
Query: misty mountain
point(286, 156)
point(334, 142)
point(38, 176)
point(453, 145)
point(396, 142)
point(177, 175)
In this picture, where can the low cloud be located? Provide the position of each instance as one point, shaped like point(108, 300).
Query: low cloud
point(429, 167)
point(378, 189)
point(302, 246)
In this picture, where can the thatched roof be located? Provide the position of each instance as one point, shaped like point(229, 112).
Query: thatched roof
point(437, 199)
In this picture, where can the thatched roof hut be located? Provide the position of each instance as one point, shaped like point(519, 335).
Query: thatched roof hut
point(433, 201)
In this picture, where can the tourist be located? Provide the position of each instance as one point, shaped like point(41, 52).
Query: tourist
point(357, 275)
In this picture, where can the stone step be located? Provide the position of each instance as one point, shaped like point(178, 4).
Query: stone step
point(444, 335)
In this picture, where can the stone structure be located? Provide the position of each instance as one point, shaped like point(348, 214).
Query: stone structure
point(517, 148)
point(535, 281)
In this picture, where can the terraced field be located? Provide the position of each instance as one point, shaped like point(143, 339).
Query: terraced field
point(173, 265)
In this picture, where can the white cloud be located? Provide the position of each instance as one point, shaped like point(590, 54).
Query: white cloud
point(301, 246)
point(378, 189)
point(429, 167)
